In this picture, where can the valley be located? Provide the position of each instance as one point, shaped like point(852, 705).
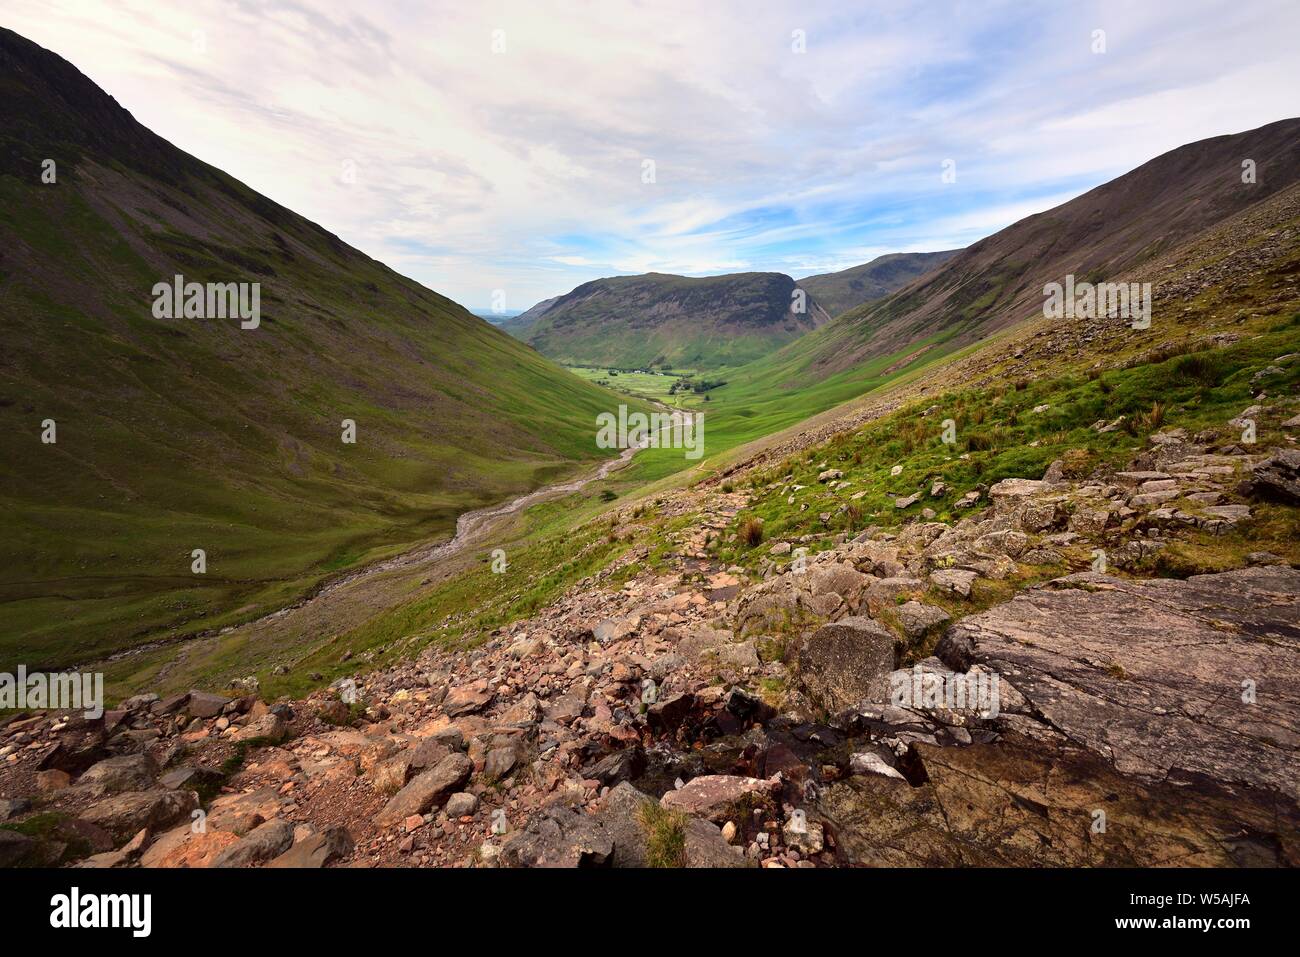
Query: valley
point(372, 581)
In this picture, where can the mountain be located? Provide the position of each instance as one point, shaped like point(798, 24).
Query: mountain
point(670, 321)
point(840, 291)
point(519, 325)
point(177, 434)
point(1096, 237)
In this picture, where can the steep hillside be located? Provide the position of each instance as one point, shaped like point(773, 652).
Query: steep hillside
point(176, 434)
point(1096, 237)
point(849, 288)
point(671, 321)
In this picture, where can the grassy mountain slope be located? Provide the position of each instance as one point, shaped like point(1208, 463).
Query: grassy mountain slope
point(670, 321)
point(849, 288)
point(989, 287)
point(1120, 225)
point(180, 434)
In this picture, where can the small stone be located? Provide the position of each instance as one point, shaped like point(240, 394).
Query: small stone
point(461, 804)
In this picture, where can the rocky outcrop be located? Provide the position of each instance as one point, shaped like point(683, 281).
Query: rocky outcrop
point(1168, 680)
point(1278, 476)
point(1023, 802)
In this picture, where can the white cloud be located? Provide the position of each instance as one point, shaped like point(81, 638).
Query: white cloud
point(478, 170)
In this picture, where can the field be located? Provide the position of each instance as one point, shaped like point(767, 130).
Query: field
point(652, 386)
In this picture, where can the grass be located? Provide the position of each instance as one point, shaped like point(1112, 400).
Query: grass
point(750, 532)
point(665, 835)
point(999, 436)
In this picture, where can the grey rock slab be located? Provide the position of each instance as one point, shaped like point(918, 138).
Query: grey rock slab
point(1151, 674)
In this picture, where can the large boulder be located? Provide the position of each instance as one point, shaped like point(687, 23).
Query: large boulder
point(559, 837)
point(432, 788)
point(270, 728)
point(467, 698)
point(846, 662)
point(773, 604)
point(317, 850)
point(263, 843)
point(626, 818)
point(128, 772)
point(1014, 491)
point(838, 578)
point(122, 815)
point(718, 796)
point(202, 704)
point(920, 621)
point(182, 847)
point(958, 581)
point(240, 813)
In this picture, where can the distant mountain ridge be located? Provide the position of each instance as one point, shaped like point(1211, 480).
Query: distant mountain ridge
point(1119, 225)
point(840, 291)
point(671, 321)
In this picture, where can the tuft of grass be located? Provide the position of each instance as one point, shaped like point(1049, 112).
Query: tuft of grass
point(1204, 369)
point(1151, 421)
point(665, 835)
point(751, 531)
point(1078, 463)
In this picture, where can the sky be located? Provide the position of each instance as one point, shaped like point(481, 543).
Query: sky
point(502, 153)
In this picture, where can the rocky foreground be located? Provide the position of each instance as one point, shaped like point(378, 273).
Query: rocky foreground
point(699, 716)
